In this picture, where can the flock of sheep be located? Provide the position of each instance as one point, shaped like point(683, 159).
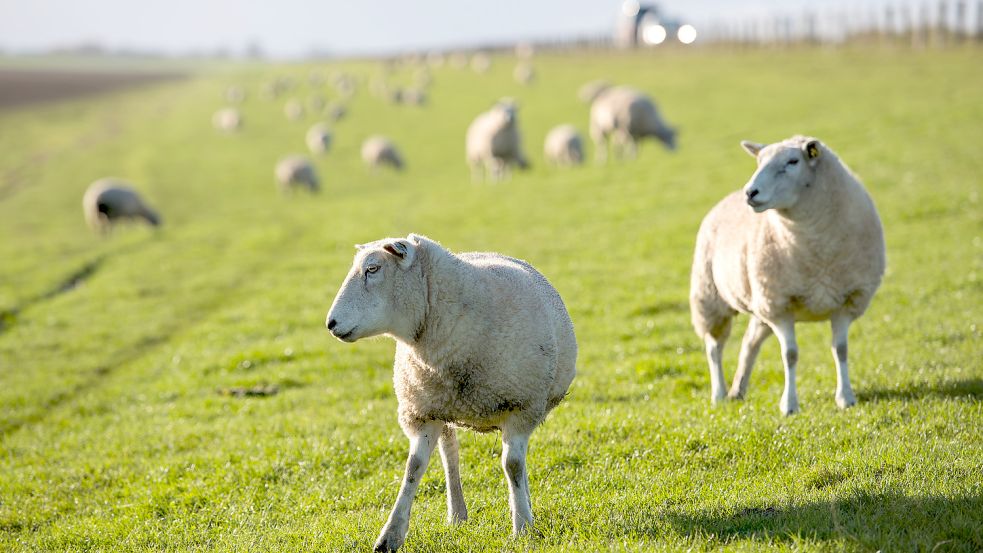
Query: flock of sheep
point(484, 342)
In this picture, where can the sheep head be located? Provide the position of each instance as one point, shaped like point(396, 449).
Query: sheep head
point(384, 292)
point(786, 170)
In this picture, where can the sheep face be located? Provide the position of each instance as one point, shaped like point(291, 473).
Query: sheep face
point(785, 171)
point(382, 293)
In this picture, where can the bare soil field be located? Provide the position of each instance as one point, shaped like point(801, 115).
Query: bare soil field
point(20, 87)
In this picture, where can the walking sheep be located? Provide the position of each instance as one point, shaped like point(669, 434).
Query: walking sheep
point(483, 341)
point(227, 120)
point(564, 147)
point(809, 248)
point(108, 201)
point(296, 170)
point(318, 138)
point(493, 142)
point(379, 151)
point(626, 116)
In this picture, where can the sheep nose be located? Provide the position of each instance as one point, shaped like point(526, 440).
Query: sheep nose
point(752, 193)
point(332, 323)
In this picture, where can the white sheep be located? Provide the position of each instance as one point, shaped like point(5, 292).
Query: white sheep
point(110, 200)
point(227, 120)
point(493, 142)
point(591, 90)
point(379, 151)
point(809, 248)
point(483, 341)
point(335, 111)
point(564, 146)
point(235, 94)
point(318, 138)
point(414, 96)
point(481, 63)
point(294, 110)
point(524, 73)
point(315, 102)
point(626, 116)
point(296, 170)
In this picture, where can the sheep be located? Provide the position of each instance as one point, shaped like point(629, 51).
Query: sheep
point(378, 151)
point(493, 141)
point(524, 74)
point(627, 115)
point(591, 90)
point(110, 200)
point(294, 110)
point(414, 96)
point(315, 102)
point(235, 94)
point(809, 248)
point(483, 341)
point(563, 146)
point(318, 138)
point(296, 170)
point(481, 63)
point(227, 120)
point(336, 111)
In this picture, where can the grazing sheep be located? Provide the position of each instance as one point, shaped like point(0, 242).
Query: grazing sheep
point(379, 151)
point(318, 138)
point(524, 74)
point(493, 142)
point(227, 120)
point(481, 63)
point(235, 94)
point(564, 147)
point(315, 103)
point(294, 110)
point(414, 97)
point(336, 112)
point(109, 200)
point(591, 90)
point(809, 248)
point(483, 341)
point(627, 115)
point(296, 170)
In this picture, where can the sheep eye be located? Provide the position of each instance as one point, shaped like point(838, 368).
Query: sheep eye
point(372, 269)
point(793, 161)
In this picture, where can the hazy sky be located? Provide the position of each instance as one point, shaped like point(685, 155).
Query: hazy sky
point(286, 28)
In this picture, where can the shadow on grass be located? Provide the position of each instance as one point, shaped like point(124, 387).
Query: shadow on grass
point(970, 388)
point(884, 522)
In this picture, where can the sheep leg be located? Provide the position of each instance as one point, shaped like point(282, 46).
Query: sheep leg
point(457, 511)
point(600, 145)
point(785, 332)
point(840, 325)
point(422, 442)
point(715, 340)
point(514, 448)
point(755, 335)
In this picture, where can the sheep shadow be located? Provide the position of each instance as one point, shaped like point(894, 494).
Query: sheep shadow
point(970, 388)
point(887, 522)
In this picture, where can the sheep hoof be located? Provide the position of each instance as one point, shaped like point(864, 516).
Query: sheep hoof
point(789, 407)
point(735, 395)
point(845, 401)
point(387, 543)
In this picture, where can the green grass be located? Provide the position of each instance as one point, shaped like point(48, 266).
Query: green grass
point(113, 437)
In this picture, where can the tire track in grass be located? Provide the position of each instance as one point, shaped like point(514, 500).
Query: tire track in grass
point(147, 344)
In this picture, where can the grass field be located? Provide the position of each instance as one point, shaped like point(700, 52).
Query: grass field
point(113, 436)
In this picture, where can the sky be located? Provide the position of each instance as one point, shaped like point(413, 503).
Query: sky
point(295, 28)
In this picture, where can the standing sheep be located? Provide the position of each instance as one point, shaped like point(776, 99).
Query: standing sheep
point(108, 201)
point(481, 63)
point(564, 147)
point(296, 170)
point(379, 151)
point(627, 115)
point(493, 142)
point(809, 248)
point(294, 110)
point(483, 341)
point(227, 120)
point(318, 139)
point(524, 73)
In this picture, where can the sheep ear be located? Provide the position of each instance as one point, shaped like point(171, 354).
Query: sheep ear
point(812, 151)
point(403, 250)
point(359, 246)
point(752, 147)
